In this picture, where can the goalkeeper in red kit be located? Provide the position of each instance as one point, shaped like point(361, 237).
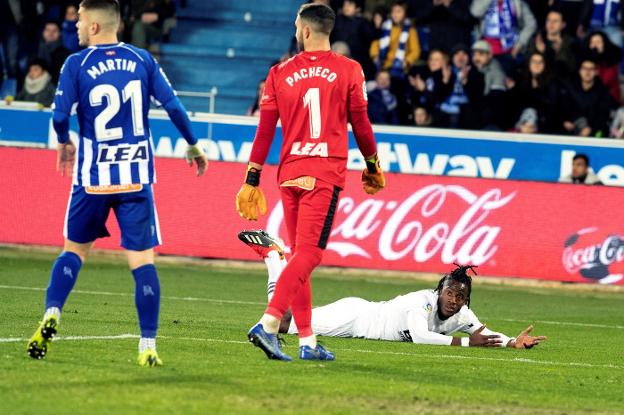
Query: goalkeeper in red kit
point(315, 94)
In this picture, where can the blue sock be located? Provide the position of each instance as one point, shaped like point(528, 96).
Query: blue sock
point(147, 298)
point(62, 279)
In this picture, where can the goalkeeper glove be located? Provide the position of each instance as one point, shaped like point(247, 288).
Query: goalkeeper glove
point(373, 179)
point(250, 198)
point(195, 152)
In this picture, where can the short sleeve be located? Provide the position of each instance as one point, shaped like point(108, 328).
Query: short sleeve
point(470, 322)
point(358, 100)
point(269, 98)
point(160, 86)
point(67, 92)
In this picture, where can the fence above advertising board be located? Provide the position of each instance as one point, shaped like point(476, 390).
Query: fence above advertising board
point(408, 150)
point(508, 228)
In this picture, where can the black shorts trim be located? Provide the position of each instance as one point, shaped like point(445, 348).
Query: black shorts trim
point(329, 219)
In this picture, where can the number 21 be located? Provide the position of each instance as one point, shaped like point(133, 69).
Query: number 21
point(132, 92)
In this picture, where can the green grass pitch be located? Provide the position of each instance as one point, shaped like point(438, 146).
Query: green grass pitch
point(210, 368)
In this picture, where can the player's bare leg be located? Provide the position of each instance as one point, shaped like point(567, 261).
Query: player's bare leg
point(63, 277)
point(147, 301)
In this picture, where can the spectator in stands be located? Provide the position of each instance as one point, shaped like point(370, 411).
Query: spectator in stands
point(147, 19)
point(588, 107)
point(422, 117)
point(449, 21)
point(608, 56)
point(556, 45)
point(617, 125)
point(527, 124)
point(69, 30)
point(431, 85)
point(507, 25)
point(581, 173)
point(1, 73)
point(254, 110)
point(461, 108)
point(398, 48)
point(382, 103)
point(341, 48)
point(535, 90)
point(576, 14)
point(358, 33)
point(606, 17)
point(51, 50)
point(380, 14)
point(38, 85)
point(493, 108)
point(19, 35)
point(539, 9)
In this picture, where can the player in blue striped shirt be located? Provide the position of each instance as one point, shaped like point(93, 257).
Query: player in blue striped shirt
point(111, 84)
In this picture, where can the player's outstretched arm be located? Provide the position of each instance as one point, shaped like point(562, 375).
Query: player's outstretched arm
point(479, 339)
point(525, 340)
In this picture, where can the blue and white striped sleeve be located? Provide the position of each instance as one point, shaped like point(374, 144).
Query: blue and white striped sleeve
point(65, 97)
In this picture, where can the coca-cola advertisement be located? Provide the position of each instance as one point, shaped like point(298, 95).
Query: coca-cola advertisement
point(418, 223)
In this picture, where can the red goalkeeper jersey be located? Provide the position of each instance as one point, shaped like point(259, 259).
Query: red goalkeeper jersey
point(314, 92)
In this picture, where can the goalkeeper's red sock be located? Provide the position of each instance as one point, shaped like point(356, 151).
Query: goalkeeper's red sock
point(292, 279)
point(301, 308)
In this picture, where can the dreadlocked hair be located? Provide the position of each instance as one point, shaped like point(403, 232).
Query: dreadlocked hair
point(459, 275)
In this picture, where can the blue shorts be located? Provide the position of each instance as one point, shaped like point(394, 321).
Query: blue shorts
point(88, 210)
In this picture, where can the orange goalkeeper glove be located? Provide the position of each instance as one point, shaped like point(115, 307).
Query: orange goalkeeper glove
point(373, 179)
point(250, 199)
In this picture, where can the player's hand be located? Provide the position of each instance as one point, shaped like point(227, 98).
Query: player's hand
point(65, 156)
point(525, 341)
point(477, 339)
point(373, 179)
point(196, 154)
point(250, 200)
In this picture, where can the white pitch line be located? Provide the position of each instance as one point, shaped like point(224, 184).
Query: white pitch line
point(562, 323)
point(416, 355)
point(217, 300)
point(208, 300)
point(75, 338)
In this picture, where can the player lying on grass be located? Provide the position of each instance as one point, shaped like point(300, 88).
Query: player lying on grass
point(423, 317)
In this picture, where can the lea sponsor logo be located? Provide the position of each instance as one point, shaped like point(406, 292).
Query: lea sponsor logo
point(122, 153)
point(447, 223)
point(309, 149)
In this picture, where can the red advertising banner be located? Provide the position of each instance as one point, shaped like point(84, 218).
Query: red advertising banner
point(419, 223)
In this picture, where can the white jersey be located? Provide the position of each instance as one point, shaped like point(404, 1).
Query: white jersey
point(411, 317)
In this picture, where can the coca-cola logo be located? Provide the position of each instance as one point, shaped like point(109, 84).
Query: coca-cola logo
point(418, 227)
point(591, 255)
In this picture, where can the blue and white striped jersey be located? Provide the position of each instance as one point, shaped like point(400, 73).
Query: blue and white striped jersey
point(112, 86)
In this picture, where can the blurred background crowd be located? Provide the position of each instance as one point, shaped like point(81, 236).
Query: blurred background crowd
point(530, 66)
point(37, 36)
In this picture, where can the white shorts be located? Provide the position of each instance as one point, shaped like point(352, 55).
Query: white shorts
point(338, 319)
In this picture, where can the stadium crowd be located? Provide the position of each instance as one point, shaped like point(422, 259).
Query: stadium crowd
point(37, 36)
point(530, 66)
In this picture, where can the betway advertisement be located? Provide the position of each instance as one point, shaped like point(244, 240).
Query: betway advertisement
point(418, 223)
point(407, 150)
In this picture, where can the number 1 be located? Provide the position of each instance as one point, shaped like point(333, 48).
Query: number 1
point(312, 99)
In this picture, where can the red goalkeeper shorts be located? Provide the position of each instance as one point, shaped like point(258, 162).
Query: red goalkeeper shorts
point(309, 209)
